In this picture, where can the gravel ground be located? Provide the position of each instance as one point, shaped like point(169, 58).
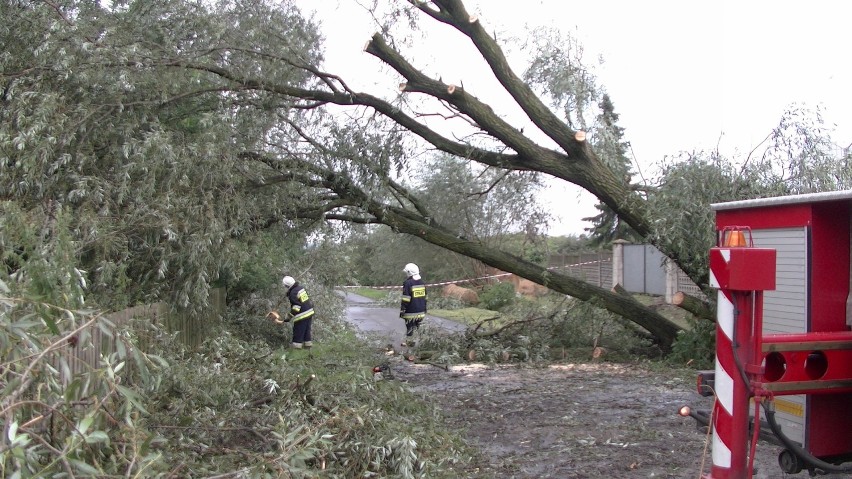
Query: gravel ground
point(596, 420)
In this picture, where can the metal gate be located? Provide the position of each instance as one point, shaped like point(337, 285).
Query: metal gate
point(644, 270)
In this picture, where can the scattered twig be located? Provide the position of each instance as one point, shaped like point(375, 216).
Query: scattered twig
point(445, 367)
point(176, 469)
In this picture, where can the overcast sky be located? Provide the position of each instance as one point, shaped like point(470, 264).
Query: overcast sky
point(682, 75)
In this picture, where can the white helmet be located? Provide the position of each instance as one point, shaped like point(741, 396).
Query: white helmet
point(288, 281)
point(411, 269)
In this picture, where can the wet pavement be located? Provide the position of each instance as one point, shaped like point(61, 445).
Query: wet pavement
point(383, 323)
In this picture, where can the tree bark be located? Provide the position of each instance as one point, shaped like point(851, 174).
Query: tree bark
point(413, 223)
point(696, 306)
point(576, 163)
point(661, 328)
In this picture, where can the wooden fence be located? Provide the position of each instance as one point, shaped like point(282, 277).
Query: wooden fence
point(594, 268)
point(189, 329)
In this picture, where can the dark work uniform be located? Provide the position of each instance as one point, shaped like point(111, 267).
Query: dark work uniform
point(302, 310)
point(413, 308)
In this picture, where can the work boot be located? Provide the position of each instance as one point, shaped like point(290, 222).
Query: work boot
point(296, 345)
point(308, 344)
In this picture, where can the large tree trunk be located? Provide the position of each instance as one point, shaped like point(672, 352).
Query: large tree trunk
point(414, 223)
point(663, 330)
point(696, 306)
point(574, 161)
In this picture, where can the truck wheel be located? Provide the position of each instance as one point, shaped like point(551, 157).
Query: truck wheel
point(789, 462)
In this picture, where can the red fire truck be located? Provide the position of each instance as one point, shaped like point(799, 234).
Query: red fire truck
point(783, 341)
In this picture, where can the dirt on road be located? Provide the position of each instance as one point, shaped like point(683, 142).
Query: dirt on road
point(595, 420)
point(566, 420)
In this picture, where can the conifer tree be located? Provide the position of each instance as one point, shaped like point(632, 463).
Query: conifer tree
point(612, 148)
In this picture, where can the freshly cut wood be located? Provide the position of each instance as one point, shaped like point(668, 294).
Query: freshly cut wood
point(694, 305)
point(462, 294)
point(617, 288)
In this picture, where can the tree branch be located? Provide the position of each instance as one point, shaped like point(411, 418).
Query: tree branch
point(402, 191)
point(353, 219)
point(469, 105)
point(453, 13)
point(694, 305)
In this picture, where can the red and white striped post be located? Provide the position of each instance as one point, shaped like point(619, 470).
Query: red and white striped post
point(741, 273)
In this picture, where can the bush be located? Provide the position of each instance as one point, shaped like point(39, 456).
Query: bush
point(695, 346)
point(497, 296)
point(316, 413)
point(442, 302)
point(63, 416)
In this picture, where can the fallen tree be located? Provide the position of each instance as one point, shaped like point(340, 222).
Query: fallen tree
point(351, 204)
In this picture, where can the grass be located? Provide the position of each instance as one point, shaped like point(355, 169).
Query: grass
point(320, 408)
point(374, 294)
point(469, 316)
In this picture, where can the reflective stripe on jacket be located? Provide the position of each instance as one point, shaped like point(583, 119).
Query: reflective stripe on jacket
point(413, 299)
point(301, 306)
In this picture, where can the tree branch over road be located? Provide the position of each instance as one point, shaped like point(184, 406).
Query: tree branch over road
point(404, 220)
point(576, 163)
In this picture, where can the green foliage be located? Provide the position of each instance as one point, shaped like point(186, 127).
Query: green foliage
point(250, 405)
point(569, 244)
point(685, 225)
point(473, 200)
point(529, 245)
point(798, 158)
point(241, 403)
point(444, 303)
point(456, 311)
point(583, 326)
point(62, 415)
point(801, 157)
point(609, 143)
point(269, 256)
point(695, 346)
point(142, 158)
point(208, 399)
point(376, 257)
point(67, 409)
point(558, 72)
point(497, 296)
point(538, 330)
point(470, 200)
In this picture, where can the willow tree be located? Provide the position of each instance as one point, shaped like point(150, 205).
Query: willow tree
point(496, 208)
point(158, 116)
point(135, 165)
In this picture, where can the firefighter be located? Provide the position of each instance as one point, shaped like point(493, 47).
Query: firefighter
point(301, 313)
point(413, 307)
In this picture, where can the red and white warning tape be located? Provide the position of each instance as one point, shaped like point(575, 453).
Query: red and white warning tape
point(443, 283)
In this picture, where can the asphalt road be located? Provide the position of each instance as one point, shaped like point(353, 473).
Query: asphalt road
point(383, 323)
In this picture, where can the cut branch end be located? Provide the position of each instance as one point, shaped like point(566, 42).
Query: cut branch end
point(403, 86)
point(451, 89)
point(580, 136)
